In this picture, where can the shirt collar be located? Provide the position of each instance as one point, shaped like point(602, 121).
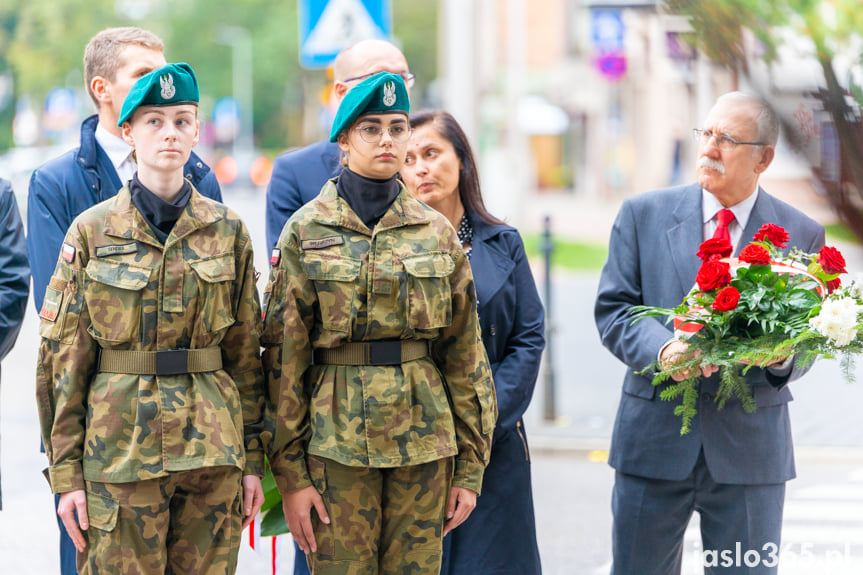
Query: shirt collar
point(116, 148)
point(742, 210)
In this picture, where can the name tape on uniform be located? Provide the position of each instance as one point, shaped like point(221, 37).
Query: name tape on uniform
point(118, 249)
point(322, 243)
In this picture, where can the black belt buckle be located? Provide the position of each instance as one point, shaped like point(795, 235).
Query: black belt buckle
point(172, 362)
point(385, 352)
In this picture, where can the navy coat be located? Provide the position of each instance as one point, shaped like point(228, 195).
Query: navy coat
point(500, 535)
point(64, 187)
point(298, 177)
point(652, 261)
point(14, 273)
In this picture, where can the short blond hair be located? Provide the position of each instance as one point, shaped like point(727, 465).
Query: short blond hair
point(102, 54)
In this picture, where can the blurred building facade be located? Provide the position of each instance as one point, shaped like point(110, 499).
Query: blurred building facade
point(574, 104)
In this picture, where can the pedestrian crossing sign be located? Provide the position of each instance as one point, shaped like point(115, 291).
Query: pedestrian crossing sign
point(329, 26)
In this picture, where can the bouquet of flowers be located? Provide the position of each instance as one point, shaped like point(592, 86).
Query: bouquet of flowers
point(758, 310)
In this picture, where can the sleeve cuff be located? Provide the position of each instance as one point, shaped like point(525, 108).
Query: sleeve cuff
point(468, 474)
point(779, 375)
point(66, 477)
point(254, 463)
point(290, 475)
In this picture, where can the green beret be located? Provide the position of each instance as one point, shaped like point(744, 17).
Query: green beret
point(170, 85)
point(383, 93)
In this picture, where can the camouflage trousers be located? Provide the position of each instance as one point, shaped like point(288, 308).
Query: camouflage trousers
point(383, 521)
point(187, 522)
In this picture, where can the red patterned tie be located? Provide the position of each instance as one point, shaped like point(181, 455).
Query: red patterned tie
point(723, 217)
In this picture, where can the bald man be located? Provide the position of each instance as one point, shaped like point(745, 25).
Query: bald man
point(300, 174)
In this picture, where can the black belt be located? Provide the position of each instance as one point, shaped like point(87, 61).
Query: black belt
point(383, 352)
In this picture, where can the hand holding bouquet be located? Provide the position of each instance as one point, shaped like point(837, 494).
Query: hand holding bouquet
point(757, 310)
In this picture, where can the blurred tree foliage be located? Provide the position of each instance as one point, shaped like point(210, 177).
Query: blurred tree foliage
point(42, 44)
point(835, 28)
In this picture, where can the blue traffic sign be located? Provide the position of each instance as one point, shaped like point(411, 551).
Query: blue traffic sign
point(607, 30)
point(329, 26)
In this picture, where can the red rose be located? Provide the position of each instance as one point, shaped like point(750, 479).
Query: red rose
point(712, 275)
point(831, 261)
point(713, 249)
point(833, 284)
point(772, 233)
point(726, 299)
point(755, 254)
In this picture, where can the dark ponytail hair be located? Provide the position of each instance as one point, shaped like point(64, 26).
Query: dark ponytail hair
point(468, 177)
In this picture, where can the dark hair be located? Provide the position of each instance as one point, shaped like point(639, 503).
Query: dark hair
point(468, 178)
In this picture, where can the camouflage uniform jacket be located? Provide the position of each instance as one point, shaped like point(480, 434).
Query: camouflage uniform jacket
point(333, 281)
point(117, 287)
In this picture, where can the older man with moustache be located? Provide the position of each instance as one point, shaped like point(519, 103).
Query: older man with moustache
point(299, 175)
point(733, 466)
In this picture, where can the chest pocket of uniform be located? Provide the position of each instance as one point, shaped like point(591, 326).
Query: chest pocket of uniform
point(335, 278)
point(216, 277)
point(428, 289)
point(113, 299)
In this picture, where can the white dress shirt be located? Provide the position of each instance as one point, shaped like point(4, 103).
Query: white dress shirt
point(119, 152)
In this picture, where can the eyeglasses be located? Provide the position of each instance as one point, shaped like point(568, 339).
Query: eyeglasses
point(372, 133)
point(406, 76)
point(723, 142)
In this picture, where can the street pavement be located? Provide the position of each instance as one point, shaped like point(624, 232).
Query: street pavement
point(823, 526)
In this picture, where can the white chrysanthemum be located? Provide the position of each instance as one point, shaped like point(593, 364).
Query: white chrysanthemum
point(837, 320)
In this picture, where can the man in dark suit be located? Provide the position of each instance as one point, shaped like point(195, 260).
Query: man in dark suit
point(732, 467)
point(298, 175)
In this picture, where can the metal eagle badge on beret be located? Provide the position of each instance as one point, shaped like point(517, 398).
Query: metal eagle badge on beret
point(168, 90)
point(389, 94)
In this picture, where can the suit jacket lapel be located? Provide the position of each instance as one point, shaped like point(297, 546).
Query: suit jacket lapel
point(685, 233)
point(490, 267)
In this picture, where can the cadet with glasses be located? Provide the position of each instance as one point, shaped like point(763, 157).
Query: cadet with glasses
point(385, 404)
point(149, 379)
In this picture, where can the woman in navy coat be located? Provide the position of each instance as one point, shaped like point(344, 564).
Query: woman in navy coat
point(499, 538)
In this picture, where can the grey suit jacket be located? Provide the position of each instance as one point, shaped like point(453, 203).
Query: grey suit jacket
point(652, 261)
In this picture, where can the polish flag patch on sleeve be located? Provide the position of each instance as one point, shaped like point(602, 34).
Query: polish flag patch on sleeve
point(275, 256)
point(68, 252)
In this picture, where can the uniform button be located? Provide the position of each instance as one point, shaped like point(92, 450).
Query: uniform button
point(493, 330)
point(200, 165)
point(707, 396)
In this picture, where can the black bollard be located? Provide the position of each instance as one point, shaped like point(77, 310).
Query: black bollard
point(548, 384)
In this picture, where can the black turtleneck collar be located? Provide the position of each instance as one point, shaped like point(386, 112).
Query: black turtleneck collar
point(368, 197)
point(159, 214)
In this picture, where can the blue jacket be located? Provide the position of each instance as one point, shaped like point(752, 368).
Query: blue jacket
point(64, 187)
point(500, 535)
point(298, 177)
point(14, 271)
